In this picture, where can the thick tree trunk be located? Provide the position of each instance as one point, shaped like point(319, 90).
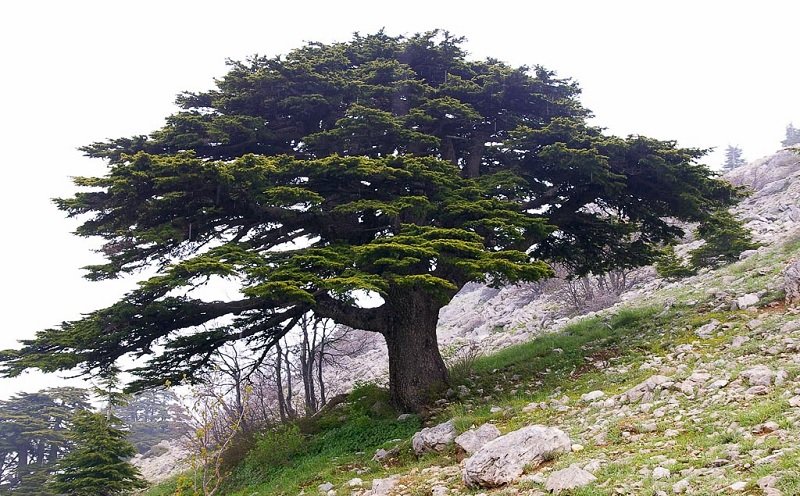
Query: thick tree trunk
point(472, 168)
point(416, 369)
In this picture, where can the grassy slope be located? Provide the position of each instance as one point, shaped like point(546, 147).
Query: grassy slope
point(612, 353)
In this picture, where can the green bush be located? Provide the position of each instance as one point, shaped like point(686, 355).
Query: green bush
point(271, 450)
point(670, 266)
point(725, 238)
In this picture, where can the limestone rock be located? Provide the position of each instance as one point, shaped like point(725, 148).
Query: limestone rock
point(747, 301)
point(680, 487)
point(474, 439)
point(645, 389)
point(568, 478)
point(707, 330)
point(436, 438)
point(791, 282)
point(661, 473)
point(503, 460)
point(594, 395)
point(439, 491)
point(760, 375)
point(738, 487)
point(381, 487)
point(163, 461)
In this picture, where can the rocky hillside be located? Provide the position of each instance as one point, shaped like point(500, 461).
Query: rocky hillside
point(688, 387)
point(772, 212)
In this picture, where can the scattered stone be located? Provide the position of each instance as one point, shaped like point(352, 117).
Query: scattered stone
point(747, 300)
point(647, 427)
point(760, 375)
point(382, 455)
point(325, 487)
point(474, 439)
point(661, 473)
point(495, 409)
point(767, 481)
point(747, 254)
point(593, 466)
point(791, 282)
point(794, 401)
point(355, 482)
point(738, 487)
point(577, 447)
point(568, 478)
point(757, 391)
point(766, 428)
point(439, 491)
point(503, 460)
point(680, 487)
point(738, 341)
point(536, 478)
point(644, 391)
point(381, 487)
point(707, 330)
point(592, 396)
point(436, 438)
point(405, 416)
point(718, 384)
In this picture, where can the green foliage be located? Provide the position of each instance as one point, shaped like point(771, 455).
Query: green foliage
point(725, 238)
point(270, 451)
point(98, 465)
point(670, 266)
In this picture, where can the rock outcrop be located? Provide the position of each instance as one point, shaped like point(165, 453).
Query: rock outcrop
point(503, 460)
point(436, 438)
point(474, 439)
point(772, 212)
point(164, 460)
point(572, 477)
point(791, 282)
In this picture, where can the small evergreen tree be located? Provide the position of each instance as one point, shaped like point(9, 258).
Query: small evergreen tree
point(733, 158)
point(725, 238)
point(670, 266)
point(98, 465)
point(792, 136)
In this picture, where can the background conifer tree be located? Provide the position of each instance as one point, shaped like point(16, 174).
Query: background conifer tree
point(792, 136)
point(725, 238)
point(98, 464)
point(733, 158)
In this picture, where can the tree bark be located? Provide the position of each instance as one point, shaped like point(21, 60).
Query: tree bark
point(416, 369)
point(472, 168)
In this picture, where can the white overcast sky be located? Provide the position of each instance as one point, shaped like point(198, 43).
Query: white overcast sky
point(705, 73)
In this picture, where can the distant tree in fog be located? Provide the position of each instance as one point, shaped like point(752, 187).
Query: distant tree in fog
point(733, 158)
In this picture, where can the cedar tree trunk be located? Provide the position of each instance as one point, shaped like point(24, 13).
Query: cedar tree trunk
point(416, 369)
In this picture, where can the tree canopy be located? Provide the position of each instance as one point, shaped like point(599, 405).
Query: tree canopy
point(391, 165)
